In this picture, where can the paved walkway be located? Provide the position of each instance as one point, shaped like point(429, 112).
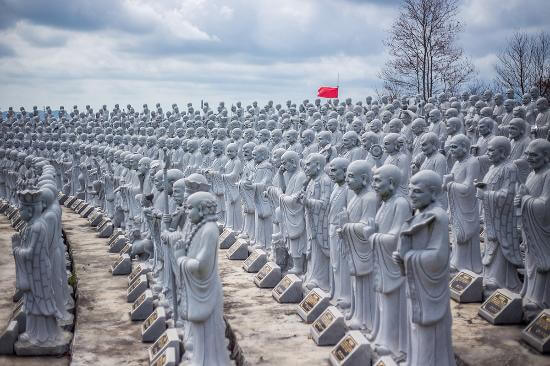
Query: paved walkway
point(104, 333)
point(268, 333)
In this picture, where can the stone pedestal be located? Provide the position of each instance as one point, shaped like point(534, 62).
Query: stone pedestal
point(268, 276)
point(105, 230)
point(8, 338)
point(255, 261)
point(169, 339)
point(143, 306)
point(122, 266)
point(289, 290)
point(502, 307)
point(329, 327)
point(116, 245)
point(238, 251)
point(313, 304)
point(137, 288)
point(227, 239)
point(57, 348)
point(352, 350)
point(154, 325)
point(466, 287)
point(537, 333)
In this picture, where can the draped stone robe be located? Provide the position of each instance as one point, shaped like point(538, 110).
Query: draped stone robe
point(426, 260)
point(390, 320)
point(340, 283)
point(293, 223)
point(218, 165)
point(358, 255)
point(228, 182)
point(437, 163)
point(317, 198)
point(464, 209)
point(263, 229)
point(535, 215)
point(502, 253)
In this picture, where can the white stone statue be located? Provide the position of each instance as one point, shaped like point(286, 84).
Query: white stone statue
point(34, 274)
point(390, 321)
point(534, 201)
point(340, 282)
point(464, 207)
point(316, 200)
point(206, 344)
point(423, 256)
point(501, 256)
point(358, 251)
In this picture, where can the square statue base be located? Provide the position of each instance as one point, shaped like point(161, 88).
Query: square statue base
point(57, 348)
point(329, 327)
point(289, 290)
point(8, 338)
point(238, 251)
point(315, 302)
point(537, 333)
point(466, 287)
point(255, 261)
point(268, 276)
point(502, 307)
point(227, 239)
point(352, 350)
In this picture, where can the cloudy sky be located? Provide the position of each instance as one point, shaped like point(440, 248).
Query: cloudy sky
point(66, 52)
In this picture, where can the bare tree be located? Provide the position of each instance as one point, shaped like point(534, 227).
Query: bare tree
point(425, 57)
point(540, 63)
point(525, 62)
point(514, 62)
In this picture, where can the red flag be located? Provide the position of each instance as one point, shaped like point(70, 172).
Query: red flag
point(327, 92)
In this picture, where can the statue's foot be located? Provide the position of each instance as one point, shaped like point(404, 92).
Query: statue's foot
point(343, 304)
point(382, 351)
point(355, 324)
point(295, 270)
point(311, 285)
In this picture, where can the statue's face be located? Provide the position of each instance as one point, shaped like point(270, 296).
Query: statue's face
point(542, 105)
point(514, 132)
point(526, 99)
point(535, 157)
point(427, 146)
point(312, 168)
point(179, 193)
point(495, 153)
point(247, 153)
point(348, 142)
point(27, 212)
point(375, 127)
point(458, 151)
point(307, 139)
point(206, 148)
point(355, 180)
point(289, 165)
point(382, 185)
point(421, 196)
point(231, 152)
point(390, 146)
point(143, 167)
point(484, 129)
point(509, 106)
point(418, 128)
point(337, 173)
point(394, 127)
point(317, 126)
point(159, 183)
point(194, 213)
point(452, 128)
point(357, 126)
point(258, 156)
point(291, 138)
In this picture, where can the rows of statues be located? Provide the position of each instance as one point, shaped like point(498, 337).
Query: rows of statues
point(377, 203)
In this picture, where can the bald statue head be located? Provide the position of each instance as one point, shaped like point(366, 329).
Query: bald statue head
point(290, 161)
point(454, 126)
point(391, 143)
point(337, 170)
point(498, 149)
point(359, 175)
point(260, 154)
point(517, 128)
point(314, 165)
point(538, 154)
point(460, 147)
point(424, 188)
point(386, 181)
point(195, 183)
point(429, 143)
point(178, 191)
point(47, 197)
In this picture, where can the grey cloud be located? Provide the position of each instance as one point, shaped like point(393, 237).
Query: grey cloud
point(81, 15)
point(6, 51)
